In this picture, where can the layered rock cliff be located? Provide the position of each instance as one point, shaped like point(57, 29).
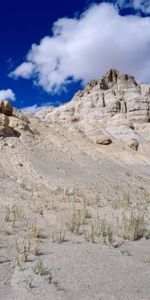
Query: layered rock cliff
point(116, 106)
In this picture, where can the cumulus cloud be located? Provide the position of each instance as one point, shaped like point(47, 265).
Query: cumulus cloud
point(7, 94)
point(142, 5)
point(85, 47)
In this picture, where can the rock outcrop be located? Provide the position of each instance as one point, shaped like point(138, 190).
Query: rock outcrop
point(115, 105)
point(6, 107)
point(12, 121)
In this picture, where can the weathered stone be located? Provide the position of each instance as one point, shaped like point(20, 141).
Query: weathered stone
point(103, 140)
point(6, 108)
point(134, 144)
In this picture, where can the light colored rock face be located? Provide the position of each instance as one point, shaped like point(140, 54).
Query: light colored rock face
point(116, 104)
point(15, 125)
point(4, 124)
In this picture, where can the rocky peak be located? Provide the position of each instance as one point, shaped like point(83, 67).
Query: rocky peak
point(109, 79)
point(114, 77)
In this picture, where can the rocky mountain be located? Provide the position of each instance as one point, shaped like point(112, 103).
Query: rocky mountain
point(75, 196)
point(114, 107)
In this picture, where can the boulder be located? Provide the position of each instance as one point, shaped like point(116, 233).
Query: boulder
point(134, 144)
point(103, 140)
point(6, 108)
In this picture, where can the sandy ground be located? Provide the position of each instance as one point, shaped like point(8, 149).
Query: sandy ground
point(74, 218)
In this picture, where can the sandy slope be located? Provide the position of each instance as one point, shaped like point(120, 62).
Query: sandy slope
point(49, 176)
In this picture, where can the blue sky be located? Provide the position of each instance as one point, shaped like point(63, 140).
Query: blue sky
point(87, 39)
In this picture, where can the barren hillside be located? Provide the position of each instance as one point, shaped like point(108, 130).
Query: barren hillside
point(75, 196)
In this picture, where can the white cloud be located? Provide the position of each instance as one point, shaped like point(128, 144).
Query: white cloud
point(25, 70)
point(7, 94)
point(86, 47)
point(142, 5)
point(35, 108)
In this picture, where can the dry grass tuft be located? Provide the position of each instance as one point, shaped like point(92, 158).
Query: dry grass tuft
point(58, 236)
point(37, 231)
point(23, 248)
point(74, 222)
point(13, 213)
point(40, 268)
point(90, 234)
point(133, 226)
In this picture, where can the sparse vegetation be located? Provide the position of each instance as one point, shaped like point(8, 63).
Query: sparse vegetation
point(13, 213)
point(26, 186)
point(85, 212)
point(58, 236)
point(133, 226)
point(123, 202)
point(30, 283)
point(23, 248)
point(40, 268)
point(90, 234)
point(98, 201)
point(9, 230)
point(74, 222)
point(37, 231)
point(34, 247)
point(38, 209)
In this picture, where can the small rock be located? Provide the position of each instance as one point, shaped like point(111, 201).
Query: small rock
point(134, 144)
point(5, 144)
point(70, 192)
point(103, 140)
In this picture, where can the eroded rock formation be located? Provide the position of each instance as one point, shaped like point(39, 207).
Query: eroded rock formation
point(116, 106)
